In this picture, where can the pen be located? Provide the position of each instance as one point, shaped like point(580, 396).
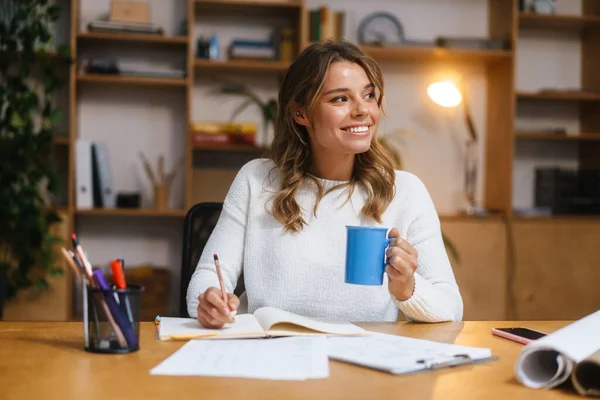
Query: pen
point(221, 283)
point(192, 336)
point(119, 278)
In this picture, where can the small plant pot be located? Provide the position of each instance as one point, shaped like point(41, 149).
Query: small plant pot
point(161, 197)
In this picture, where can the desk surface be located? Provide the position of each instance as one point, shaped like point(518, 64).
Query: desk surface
point(47, 361)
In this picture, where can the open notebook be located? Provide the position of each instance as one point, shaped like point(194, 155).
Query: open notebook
point(265, 322)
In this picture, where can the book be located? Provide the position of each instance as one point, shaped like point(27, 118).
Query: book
point(570, 352)
point(264, 322)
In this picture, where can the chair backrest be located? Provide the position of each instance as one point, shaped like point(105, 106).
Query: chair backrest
point(199, 223)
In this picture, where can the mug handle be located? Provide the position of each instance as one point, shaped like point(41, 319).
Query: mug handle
point(387, 243)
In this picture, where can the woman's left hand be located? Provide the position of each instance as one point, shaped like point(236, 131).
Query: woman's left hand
point(402, 259)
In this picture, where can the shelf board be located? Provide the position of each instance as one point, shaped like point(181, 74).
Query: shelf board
point(584, 137)
point(560, 95)
point(58, 209)
point(458, 216)
point(228, 148)
point(133, 37)
point(555, 22)
point(252, 3)
point(558, 217)
point(131, 212)
point(420, 54)
point(131, 80)
point(61, 140)
point(236, 65)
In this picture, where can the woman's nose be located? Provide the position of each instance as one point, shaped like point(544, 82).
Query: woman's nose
point(360, 109)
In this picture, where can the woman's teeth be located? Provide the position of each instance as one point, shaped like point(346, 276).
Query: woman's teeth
point(357, 129)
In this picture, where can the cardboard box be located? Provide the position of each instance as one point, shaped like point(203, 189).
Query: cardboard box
point(130, 11)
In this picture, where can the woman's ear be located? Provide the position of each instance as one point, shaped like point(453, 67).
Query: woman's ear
point(300, 117)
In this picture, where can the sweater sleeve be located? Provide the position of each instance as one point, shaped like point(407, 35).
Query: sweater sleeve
point(227, 240)
point(436, 297)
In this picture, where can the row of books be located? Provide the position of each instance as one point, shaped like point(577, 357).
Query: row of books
point(326, 24)
point(223, 133)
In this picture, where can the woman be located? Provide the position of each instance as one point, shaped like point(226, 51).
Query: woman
point(283, 220)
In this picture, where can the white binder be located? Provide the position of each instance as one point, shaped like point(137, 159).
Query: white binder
point(83, 175)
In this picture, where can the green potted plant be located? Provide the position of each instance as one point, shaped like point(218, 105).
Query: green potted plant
point(28, 118)
point(268, 109)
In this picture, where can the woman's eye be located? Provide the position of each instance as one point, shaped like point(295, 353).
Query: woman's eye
point(339, 99)
point(370, 95)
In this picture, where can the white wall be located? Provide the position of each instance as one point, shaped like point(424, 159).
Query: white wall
point(153, 119)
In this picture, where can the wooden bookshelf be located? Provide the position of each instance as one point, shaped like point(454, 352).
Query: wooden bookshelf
point(228, 147)
point(249, 8)
point(583, 137)
point(241, 65)
point(430, 54)
point(558, 22)
point(251, 3)
point(61, 140)
point(131, 80)
point(131, 212)
point(133, 37)
point(560, 96)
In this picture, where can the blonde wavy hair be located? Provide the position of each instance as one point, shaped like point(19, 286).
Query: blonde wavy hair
point(301, 88)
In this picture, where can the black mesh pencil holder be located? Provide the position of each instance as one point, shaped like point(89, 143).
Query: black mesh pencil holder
point(111, 319)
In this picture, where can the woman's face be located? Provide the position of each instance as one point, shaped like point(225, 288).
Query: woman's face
point(346, 114)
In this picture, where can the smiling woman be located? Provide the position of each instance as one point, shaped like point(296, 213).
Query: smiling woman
point(284, 219)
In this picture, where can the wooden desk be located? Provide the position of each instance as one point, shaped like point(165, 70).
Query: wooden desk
point(47, 361)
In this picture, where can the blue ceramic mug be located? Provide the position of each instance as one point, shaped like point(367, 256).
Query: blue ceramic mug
point(365, 255)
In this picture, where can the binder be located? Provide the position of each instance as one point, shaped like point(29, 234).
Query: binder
point(83, 175)
point(96, 186)
point(402, 355)
point(104, 195)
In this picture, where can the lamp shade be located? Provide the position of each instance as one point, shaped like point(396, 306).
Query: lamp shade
point(445, 94)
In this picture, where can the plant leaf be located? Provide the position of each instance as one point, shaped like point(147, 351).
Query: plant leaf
point(56, 116)
point(16, 121)
point(451, 248)
point(40, 285)
point(240, 108)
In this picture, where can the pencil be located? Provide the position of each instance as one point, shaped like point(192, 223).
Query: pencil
point(220, 276)
point(69, 260)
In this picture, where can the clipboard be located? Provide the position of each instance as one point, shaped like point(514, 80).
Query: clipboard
point(400, 355)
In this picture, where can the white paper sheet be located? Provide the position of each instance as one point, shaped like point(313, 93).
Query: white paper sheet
point(396, 354)
point(549, 361)
point(295, 358)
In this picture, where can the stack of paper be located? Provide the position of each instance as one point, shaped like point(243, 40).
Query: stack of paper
point(295, 358)
point(571, 351)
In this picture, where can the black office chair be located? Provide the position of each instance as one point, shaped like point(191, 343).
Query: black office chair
point(199, 223)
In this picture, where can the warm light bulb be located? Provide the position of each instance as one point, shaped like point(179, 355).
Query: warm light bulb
point(445, 94)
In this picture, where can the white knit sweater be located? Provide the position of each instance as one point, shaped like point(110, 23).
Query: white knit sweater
point(304, 272)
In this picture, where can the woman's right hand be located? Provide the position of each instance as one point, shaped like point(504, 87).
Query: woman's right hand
point(212, 310)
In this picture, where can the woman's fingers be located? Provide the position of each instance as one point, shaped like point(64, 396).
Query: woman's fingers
point(213, 312)
point(400, 267)
point(234, 301)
